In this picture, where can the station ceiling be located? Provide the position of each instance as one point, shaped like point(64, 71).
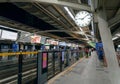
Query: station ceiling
point(49, 18)
point(112, 8)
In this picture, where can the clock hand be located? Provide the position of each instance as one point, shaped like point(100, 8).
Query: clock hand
point(84, 17)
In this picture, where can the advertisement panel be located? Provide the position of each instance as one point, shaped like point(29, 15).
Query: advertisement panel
point(62, 43)
point(35, 39)
point(48, 41)
point(69, 44)
point(44, 62)
point(54, 42)
point(51, 41)
point(9, 35)
point(42, 40)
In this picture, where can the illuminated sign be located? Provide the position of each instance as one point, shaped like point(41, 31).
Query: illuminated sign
point(62, 43)
point(73, 45)
point(69, 44)
point(42, 40)
point(35, 39)
point(44, 62)
point(9, 35)
point(52, 42)
point(48, 41)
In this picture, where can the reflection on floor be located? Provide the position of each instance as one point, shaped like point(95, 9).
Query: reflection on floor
point(89, 71)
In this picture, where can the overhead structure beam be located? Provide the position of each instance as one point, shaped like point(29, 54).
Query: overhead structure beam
point(7, 22)
point(60, 11)
point(114, 21)
point(69, 4)
point(29, 29)
point(67, 31)
point(48, 12)
point(117, 31)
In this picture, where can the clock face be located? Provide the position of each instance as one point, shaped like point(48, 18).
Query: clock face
point(83, 18)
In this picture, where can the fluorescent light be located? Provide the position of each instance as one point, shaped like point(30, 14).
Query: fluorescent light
point(118, 45)
point(114, 38)
point(81, 29)
point(80, 32)
point(92, 33)
point(71, 15)
point(118, 34)
point(84, 33)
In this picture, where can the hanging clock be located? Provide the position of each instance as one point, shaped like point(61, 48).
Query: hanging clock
point(83, 18)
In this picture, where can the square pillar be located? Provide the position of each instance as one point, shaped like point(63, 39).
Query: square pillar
point(113, 67)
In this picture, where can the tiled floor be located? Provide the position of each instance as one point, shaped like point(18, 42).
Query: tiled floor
point(89, 71)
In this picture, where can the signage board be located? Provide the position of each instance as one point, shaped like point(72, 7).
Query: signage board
point(35, 39)
point(54, 42)
point(42, 41)
point(15, 47)
point(44, 62)
point(48, 41)
point(8, 35)
point(62, 43)
point(51, 41)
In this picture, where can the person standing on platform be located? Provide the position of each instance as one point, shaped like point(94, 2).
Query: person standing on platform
point(90, 50)
point(101, 55)
point(86, 51)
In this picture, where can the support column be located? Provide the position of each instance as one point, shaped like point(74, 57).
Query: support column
point(113, 67)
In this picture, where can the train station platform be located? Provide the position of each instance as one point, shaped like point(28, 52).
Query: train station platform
point(86, 71)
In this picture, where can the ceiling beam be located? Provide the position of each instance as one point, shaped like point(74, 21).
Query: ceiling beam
point(67, 31)
point(118, 12)
point(114, 21)
point(69, 4)
point(59, 21)
point(62, 13)
point(16, 25)
point(68, 37)
point(30, 29)
point(47, 12)
point(117, 31)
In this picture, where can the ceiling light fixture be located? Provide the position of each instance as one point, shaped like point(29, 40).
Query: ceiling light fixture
point(114, 38)
point(118, 34)
point(71, 15)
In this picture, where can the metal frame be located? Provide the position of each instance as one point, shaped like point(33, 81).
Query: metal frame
point(72, 5)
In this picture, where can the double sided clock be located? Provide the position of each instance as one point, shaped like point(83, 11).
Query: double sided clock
point(83, 18)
